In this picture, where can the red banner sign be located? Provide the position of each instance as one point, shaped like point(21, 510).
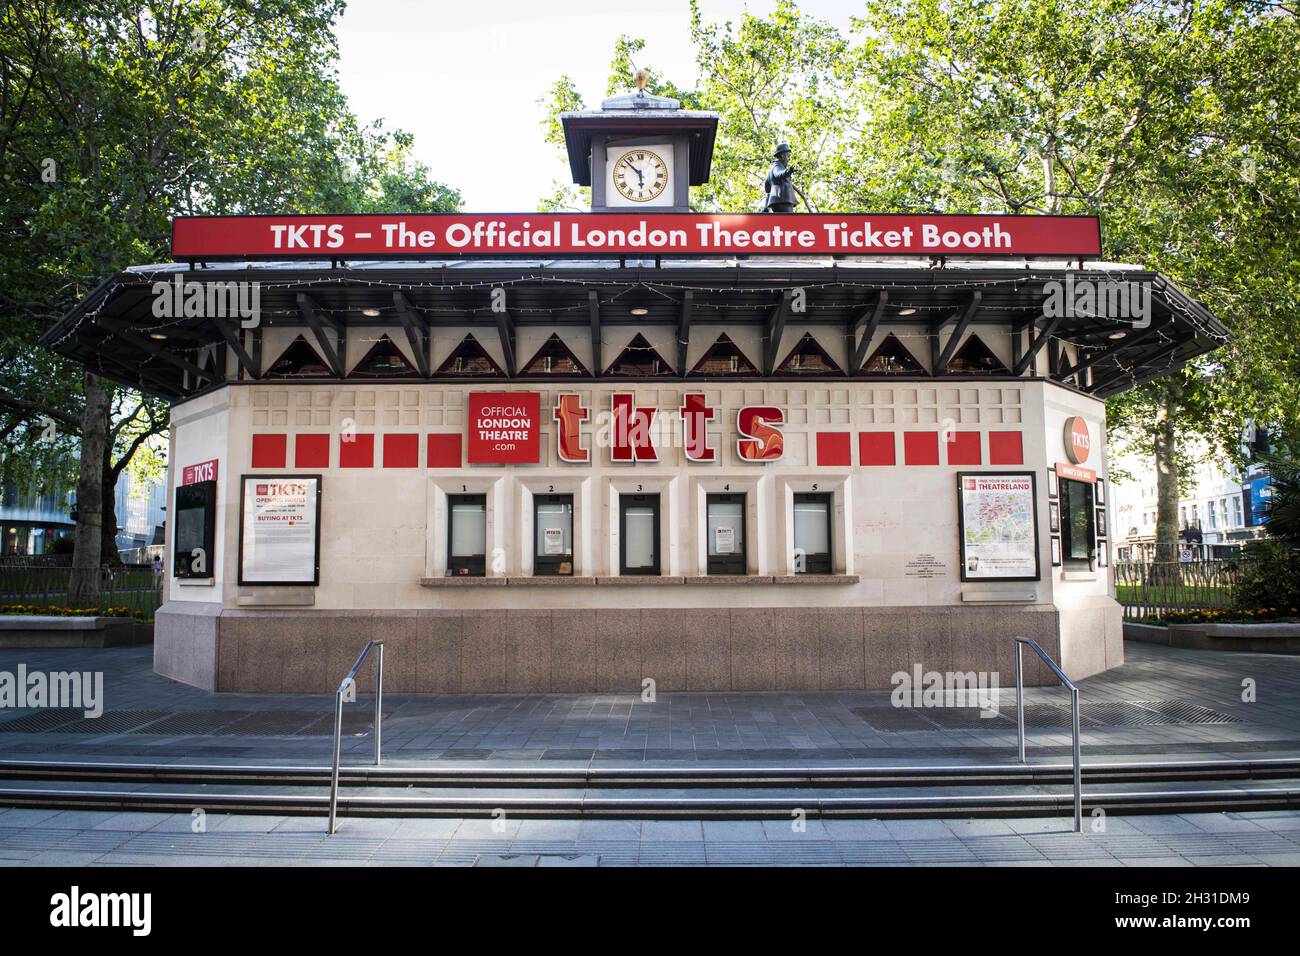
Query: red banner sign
point(203, 471)
point(604, 234)
point(504, 428)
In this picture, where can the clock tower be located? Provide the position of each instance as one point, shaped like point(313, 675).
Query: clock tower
point(640, 151)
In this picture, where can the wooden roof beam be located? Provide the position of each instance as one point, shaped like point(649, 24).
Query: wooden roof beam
point(331, 350)
point(863, 328)
point(684, 331)
point(954, 340)
point(775, 329)
point(593, 313)
point(417, 331)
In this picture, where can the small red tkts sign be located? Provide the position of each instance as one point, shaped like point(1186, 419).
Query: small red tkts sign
point(1078, 443)
point(203, 471)
point(504, 428)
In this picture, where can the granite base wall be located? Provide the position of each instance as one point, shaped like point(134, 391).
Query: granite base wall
point(185, 642)
point(590, 651)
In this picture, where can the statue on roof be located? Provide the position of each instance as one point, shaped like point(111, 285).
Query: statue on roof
point(779, 188)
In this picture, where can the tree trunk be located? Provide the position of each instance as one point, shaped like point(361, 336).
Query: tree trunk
point(1166, 449)
point(108, 507)
point(108, 533)
point(83, 586)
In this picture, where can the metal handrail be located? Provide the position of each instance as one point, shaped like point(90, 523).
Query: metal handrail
point(338, 720)
point(1074, 712)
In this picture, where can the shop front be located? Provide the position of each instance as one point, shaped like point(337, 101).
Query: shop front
point(670, 459)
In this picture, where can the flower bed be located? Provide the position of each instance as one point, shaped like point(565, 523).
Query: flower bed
point(56, 610)
point(1271, 633)
point(27, 625)
point(1224, 615)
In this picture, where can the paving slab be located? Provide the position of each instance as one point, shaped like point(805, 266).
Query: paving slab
point(807, 729)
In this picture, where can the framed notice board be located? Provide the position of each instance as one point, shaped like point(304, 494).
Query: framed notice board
point(998, 526)
point(279, 529)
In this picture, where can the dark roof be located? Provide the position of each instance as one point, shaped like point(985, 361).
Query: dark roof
point(579, 127)
point(112, 331)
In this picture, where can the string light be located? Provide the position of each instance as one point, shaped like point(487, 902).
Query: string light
point(664, 289)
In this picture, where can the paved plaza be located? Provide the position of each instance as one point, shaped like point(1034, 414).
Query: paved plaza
point(1163, 704)
point(79, 838)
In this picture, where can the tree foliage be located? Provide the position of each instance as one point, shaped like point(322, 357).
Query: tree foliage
point(1178, 123)
point(115, 116)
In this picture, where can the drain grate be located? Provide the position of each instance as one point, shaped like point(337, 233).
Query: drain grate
point(966, 718)
point(1121, 714)
point(111, 722)
point(893, 719)
point(355, 723)
point(193, 723)
point(270, 723)
point(41, 721)
point(1182, 712)
point(1138, 713)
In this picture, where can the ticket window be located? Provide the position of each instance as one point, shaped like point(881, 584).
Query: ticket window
point(812, 533)
point(726, 529)
point(553, 531)
point(638, 527)
point(1078, 522)
point(466, 535)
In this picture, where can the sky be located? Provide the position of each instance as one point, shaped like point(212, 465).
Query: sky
point(466, 77)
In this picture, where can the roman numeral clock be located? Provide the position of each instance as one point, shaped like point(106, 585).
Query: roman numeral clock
point(640, 151)
point(640, 175)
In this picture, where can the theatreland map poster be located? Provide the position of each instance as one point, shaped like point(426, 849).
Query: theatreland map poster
point(279, 534)
point(999, 528)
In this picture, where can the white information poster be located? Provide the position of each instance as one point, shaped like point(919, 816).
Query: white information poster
point(280, 533)
point(724, 540)
point(999, 530)
point(554, 538)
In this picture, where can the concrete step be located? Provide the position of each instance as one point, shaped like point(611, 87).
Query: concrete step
point(677, 775)
point(692, 799)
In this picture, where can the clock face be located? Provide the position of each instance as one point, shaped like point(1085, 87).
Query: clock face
point(640, 175)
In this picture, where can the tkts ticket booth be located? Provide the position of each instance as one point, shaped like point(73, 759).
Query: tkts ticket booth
point(572, 452)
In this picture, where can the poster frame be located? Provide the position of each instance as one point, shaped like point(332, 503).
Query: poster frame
point(961, 525)
point(243, 500)
point(209, 490)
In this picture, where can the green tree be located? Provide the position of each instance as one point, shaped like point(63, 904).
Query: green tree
point(1175, 122)
point(116, 115)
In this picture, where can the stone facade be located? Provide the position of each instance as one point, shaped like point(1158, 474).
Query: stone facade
point(592, 650)
point(894, 598)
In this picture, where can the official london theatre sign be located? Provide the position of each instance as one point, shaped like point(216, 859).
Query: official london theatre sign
point(440, 235)
point(504, 428)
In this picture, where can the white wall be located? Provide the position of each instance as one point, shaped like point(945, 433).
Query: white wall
point(383, 528)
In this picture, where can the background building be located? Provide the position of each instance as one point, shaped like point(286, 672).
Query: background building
point(1217, 515)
